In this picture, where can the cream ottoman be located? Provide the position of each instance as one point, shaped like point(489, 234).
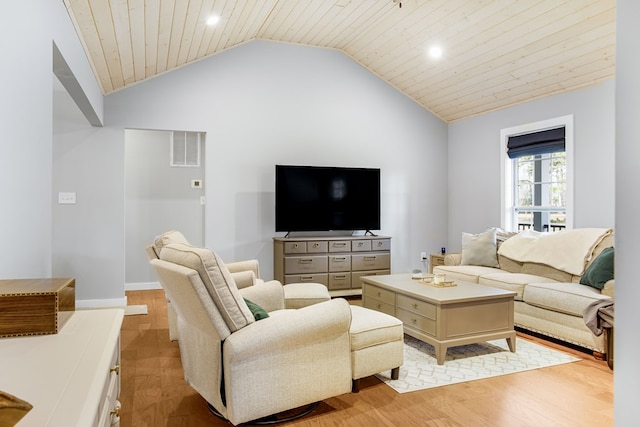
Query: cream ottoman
point(377, 344)
point(298, 295)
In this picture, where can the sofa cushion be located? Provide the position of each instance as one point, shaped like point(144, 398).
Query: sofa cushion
point(515, 282)
point(569, 298)
point(465, 273)
point(544, 270)
point(480, 249)
point(217, 280)
point(600, 271)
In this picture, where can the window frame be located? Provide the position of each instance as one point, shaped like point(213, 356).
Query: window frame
point(507, 184)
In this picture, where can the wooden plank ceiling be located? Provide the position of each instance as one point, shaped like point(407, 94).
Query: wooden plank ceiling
point(497, 53)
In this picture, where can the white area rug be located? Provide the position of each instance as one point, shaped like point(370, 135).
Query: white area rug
point(469, 362)
point(135, 309)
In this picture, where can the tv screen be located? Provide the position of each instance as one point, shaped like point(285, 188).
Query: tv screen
point(316, 198)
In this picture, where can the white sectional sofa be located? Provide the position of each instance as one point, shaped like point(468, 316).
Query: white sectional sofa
point(546, 271)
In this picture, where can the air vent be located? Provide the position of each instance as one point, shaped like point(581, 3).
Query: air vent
point(185, 149)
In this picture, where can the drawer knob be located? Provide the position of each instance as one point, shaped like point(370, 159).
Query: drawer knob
point(370, 258)
point(315, 245)
point(379, 306)
point(115, 369)
point(414, 305)
point(307, 278)
point(379, 294)
point(414, 321)
point(306, 261)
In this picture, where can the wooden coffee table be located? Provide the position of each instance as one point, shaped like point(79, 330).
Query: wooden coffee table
point(443, 317)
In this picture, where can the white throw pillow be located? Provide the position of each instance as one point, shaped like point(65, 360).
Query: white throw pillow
point(480, 249)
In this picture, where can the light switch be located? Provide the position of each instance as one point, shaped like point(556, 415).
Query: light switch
point(66, 198)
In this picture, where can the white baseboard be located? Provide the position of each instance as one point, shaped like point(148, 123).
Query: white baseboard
point(142, 286)
point(101, 303)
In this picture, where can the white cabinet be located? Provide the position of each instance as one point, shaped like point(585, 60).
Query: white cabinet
point(336, 262)
point(71, 378)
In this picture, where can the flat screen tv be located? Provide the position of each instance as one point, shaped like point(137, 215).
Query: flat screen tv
point(318, 198)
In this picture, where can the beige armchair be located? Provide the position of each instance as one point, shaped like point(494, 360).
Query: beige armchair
point(244, 368)
point(245, 273)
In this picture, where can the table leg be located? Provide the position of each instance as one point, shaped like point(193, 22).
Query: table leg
point(441, 353)
point(511, 342)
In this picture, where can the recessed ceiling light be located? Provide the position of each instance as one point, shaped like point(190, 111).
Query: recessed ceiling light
point(213, 20)
point(435, 52)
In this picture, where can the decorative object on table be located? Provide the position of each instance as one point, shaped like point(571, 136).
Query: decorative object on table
point(468, 362)
point(12, 409)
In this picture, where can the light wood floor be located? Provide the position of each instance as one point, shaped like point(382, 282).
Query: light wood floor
point(575, 394)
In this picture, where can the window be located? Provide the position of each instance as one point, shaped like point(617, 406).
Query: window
point(185, 149)
point(537, 177)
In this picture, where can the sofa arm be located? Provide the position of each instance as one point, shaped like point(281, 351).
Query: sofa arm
point(452, 259)
point(608, 288)
point(268, 295)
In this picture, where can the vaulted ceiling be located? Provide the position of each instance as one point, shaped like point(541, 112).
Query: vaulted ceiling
point(496, 53)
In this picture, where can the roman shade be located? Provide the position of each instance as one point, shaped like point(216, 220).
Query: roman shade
point(546, 141)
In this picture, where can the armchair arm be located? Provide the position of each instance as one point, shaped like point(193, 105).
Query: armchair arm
point(453, 259)
point(268, 295)
point(249, 265)
point(288, 360)
point(289, 332)
point(244, 279)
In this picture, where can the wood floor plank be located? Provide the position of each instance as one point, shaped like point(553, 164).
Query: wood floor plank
point(154, 392)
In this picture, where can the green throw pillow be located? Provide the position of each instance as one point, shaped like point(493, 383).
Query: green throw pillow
point(258, 312)
point(600, 271)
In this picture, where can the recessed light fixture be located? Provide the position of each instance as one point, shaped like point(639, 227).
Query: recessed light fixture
point(213, 20)
point(435, 52)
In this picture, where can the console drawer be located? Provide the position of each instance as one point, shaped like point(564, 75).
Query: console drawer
point(339, 281)
point(339, 263)
point(295, 247)
point(322, 278)
point(413, 305)
point(373, 261)
point(381, 245)
point(413, 320)
point(361, 246)
point(340, 246)
point(305, 264)
point(317, 247)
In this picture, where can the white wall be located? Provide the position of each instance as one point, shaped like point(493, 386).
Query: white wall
point(627, 346)
point(158, 198)
point(265, 103)
point(27, 33)
point(474, 159)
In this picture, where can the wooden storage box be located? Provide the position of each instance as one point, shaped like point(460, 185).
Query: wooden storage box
point(35, 306)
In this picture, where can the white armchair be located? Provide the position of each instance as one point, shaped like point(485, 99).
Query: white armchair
point(247, 369)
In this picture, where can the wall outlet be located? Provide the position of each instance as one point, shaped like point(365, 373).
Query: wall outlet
point(423, 256)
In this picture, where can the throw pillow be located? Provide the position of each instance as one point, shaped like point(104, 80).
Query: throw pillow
point(258, 312)
point(480, 249)
point(600, 271)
